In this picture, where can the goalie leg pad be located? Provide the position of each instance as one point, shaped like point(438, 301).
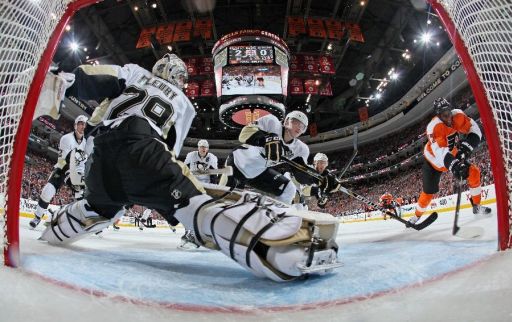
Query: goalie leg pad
point(75, 221)
point(267, 238)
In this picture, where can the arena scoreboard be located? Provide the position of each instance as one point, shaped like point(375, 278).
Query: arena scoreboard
point(251, 76)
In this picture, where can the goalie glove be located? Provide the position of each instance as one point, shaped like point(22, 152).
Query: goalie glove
point(52, 94)
point(273, 147)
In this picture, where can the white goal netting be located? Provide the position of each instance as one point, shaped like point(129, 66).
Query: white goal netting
point(27, 25)
point(25, 29)
point(485, 27)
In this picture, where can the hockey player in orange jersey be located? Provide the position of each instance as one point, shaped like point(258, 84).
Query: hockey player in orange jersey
point(441, 154)
point(386, 201)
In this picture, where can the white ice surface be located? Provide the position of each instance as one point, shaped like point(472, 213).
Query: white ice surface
point(480, 292)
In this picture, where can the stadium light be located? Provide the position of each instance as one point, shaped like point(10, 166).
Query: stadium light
point(426, 37)
point(394, 76)
point(68, 27)
point(74, 46)
point(378, 96)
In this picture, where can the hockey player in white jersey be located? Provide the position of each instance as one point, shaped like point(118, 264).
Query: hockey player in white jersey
point(69, 169)
point(265, 142)
point(320, 163)
point(202, 160)
point(134, 163)
point(199, 161)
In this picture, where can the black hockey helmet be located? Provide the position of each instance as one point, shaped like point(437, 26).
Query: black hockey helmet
point(441, 105)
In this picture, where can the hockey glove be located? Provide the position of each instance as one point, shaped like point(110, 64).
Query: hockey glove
point(467, 146)
point(322, 202)
point(460, 169)
point(273, 148)
point(329, 184)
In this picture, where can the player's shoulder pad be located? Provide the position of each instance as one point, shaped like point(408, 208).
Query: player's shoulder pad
point(456, 111)
point(303, 149)
point(432, 125)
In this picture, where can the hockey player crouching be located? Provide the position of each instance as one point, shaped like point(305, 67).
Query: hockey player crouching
point(442, 155)
point(134, 162)
point(320, 163)
point(387, 201)
point(69, 169)
point(265, 142)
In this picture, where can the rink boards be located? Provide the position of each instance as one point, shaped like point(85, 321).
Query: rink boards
point(441, 205)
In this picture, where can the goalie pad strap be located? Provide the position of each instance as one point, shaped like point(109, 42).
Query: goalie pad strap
point(70, 223)
point(212, 224)
point(237, 231)
point(256, 238)
point(55, 233)
point(196, 214)
point(197, 233)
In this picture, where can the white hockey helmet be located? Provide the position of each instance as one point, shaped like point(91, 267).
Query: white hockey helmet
point(298, 115)
point(173, 69)
point(81, 118)
point(320, 157)
point(203, 143)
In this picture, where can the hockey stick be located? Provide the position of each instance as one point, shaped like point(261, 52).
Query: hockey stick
point(228, 170)
point(463, 232)
point(422, 225)
point(425, 223)
point(354, 154)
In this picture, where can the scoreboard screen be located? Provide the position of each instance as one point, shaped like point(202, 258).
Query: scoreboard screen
point(251, 55)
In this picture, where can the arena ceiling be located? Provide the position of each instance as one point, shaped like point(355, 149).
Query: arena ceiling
point(108, 32)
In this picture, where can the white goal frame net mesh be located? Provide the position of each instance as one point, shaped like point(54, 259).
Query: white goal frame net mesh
point(481, 31)
point(26, 28)
point(30, 29)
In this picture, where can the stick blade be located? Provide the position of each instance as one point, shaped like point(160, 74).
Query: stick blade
point(427, 222)
point(469, 232)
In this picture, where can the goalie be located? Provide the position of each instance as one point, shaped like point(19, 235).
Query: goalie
point(134, 162)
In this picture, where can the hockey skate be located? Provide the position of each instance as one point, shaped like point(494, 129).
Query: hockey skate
point(34, 222)
point(188, 241)
point(413, 220)
point(481, 210)
point(265, 236)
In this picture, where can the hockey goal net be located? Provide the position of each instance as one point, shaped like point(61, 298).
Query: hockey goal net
point(481, 31)
point(29, 35)
point(30, 30)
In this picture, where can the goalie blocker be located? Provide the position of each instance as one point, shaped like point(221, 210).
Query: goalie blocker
point(264, 236)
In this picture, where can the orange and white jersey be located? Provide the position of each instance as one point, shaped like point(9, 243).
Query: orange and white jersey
point(386, 198)
point(442, 139)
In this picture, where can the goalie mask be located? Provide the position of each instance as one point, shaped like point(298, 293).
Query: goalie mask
point(172, 69)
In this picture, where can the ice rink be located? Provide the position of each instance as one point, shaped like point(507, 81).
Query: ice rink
point(390, 273)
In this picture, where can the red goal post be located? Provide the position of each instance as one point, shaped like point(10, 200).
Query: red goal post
point(30, 32)
point(481, 32)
